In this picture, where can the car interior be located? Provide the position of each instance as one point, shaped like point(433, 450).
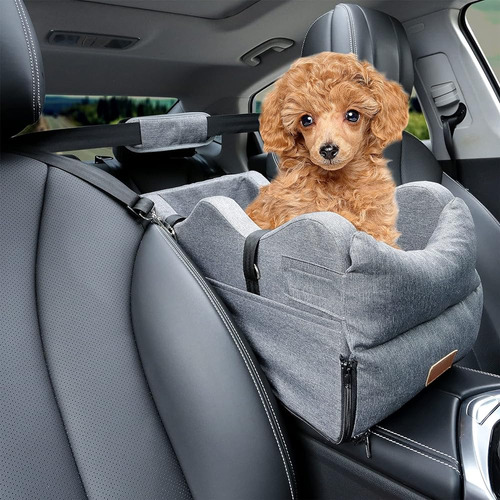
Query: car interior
point(125, 371)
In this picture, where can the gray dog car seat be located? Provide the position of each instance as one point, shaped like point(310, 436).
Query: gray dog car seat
point(347, 328)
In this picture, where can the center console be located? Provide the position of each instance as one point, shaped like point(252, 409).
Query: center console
point(445, 443)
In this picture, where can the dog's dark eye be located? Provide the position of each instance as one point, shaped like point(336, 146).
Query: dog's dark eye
point(307, 120)
point(352, 115)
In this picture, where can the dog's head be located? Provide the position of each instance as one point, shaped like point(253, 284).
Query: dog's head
point(332, 108)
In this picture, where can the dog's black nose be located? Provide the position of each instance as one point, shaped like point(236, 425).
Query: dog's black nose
point(328, 151)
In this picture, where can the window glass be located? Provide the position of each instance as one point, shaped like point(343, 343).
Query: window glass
point(64, 111)
point(483, 19)
point(416, 125)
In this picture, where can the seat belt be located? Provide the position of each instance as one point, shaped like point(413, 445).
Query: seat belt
point(450, 123)
point(121, 134)
point(140, 206)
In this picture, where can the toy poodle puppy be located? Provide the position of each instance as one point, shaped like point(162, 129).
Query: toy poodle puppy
point(329, 119)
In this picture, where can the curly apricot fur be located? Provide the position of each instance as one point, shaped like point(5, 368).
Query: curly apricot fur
point(356, 183)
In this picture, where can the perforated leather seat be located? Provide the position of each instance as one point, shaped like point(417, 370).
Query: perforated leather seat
point(122, 375)
point(381, 40)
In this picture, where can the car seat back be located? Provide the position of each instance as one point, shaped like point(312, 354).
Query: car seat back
point(381, 40)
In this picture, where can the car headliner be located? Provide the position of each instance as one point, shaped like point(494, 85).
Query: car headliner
point(180, 55)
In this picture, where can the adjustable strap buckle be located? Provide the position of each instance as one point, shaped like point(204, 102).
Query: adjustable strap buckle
point(250, 268)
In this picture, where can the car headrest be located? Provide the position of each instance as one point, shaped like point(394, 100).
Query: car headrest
point(369, 34)
point(21, 70)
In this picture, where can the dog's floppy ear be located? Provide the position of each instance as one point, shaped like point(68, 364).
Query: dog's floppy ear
point(388, 124)
point(276, 138)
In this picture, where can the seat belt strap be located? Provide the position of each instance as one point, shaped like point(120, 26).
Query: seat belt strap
point(121, 134)
point(74, 139)
point(250, 267)
point(232, 124)
point(450, 123)
point(140, 206)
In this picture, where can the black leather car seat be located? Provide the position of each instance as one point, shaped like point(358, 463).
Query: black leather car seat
point(121, 374)
point(381, 40)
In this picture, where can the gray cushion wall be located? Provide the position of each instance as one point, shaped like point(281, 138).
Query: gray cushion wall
point(329, 290)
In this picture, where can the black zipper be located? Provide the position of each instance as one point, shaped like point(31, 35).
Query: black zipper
point(348, 378)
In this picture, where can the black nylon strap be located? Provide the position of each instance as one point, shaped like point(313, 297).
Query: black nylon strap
point(97, 178)
point(121, 134)
point(450, 123)
point(73, 139)
point(250, 268)
point(174, 219)
point(232, 124)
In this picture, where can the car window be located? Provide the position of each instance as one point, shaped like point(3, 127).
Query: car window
point(66, 111)
point(416, 124)
point(483, 19)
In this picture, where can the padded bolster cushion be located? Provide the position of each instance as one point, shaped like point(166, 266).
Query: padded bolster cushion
point(320, 261)
point(171, 132)
point(242, 188)
point(329, 291)
point(417, 285)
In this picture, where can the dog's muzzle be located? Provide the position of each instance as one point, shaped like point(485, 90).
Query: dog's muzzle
point(328, 151)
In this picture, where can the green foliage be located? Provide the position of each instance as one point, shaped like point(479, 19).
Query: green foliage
point(112, 110)
point(418, 126)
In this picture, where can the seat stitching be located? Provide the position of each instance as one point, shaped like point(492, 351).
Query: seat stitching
point(309, 29)
point(230, 328)
point(30, 58)
point(399, 44)
point(44, 354)
point(145, 378)
point(417, 442)
point(275, 159)
point(352, 32)
point(478, 371)
point(419, 452)
point(36, 59)
point(264, 392)
point(250, 359)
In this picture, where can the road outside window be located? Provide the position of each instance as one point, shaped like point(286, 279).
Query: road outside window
point(63, 111)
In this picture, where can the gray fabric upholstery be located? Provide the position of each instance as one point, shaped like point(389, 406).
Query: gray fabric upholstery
point(21, 70)
point(328, 290)
point(171, 132)
point(369, 34)
point(242, 188)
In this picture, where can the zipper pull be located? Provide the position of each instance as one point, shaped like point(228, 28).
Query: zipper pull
point(346, 365)
point(364, 438)
point(368, 446)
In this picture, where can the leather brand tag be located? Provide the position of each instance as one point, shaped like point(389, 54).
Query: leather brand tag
point(440, 367)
